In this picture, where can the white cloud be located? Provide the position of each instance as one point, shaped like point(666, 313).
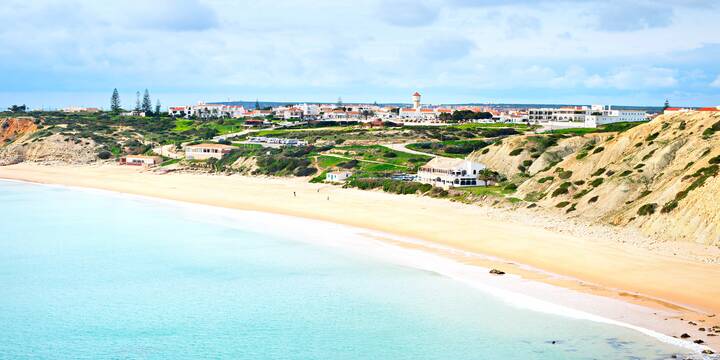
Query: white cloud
point(376, 46)
point(634, 78)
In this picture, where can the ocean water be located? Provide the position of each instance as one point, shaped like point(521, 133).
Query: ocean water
point(87, 274)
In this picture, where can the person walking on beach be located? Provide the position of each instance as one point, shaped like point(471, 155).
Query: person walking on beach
point(294, 194)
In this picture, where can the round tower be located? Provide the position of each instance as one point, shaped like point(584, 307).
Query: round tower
point(416, 100)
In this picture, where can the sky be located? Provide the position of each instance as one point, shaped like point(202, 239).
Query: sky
point(74, 52)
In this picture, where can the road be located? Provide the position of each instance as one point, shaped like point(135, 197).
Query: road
point(403, 148)
point(250, 131)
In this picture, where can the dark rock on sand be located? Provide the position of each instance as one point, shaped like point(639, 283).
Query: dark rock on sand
point(497, 272)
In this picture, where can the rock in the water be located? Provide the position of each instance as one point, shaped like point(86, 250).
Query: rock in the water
point(698, 341)
point(684, 336)
point(497, 272)
point(708, 352)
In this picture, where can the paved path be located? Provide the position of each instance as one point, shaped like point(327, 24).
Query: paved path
point(403, 148)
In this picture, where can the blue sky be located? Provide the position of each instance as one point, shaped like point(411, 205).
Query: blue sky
point(62, 53)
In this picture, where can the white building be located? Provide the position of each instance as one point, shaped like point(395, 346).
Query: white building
point(448, 173)
point(207, 111)
point(206, 151)
point(583, 116)
point(601, 115)
point(141, 160)
point(309, 110)
point(337, 176)
point(76, 109)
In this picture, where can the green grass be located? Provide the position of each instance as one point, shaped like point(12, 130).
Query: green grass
point(495, 190)
point(183, 125)
point(472, 126)
point(615, 127)
point(170, 162)
point(452, 148)
point(326, 161)
point(378, 153)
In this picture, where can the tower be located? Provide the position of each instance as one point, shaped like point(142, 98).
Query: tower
point(416, 100)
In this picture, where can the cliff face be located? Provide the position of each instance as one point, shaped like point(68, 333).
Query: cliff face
point(22, 140)
point(660, 177)
point(12, 129)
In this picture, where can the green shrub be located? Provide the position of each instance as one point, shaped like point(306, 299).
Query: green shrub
point(534, 196)
point(527, 163)
point(304, 171)
point(626, 173)
point(669, 206)
point(598, 172)
point(104, 155)
point(597, 182)
point(715, 160)
point(682, 125)
point(593, 199)
point(559, 191)
point(712, 130)
point(565, 175)
point(570, 209)
point(581, 193)
point(390, 154)
point(639, 166)
point(581, 155)
point(562, 204)
point(510, 187)
point(351, 164)
point(579, 182)
point(485, 151)
point(652, 136)
point(647, 209)
point(516, 152)
point(396, 187)
point(649, 155)
point(598, 150)
point(546, 179)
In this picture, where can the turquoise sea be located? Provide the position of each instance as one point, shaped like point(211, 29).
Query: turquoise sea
point(93, 275)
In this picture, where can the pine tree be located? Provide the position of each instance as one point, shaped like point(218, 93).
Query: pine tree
point(147, 103)
point(115, 102)
point(157, 108)
point(137, 101)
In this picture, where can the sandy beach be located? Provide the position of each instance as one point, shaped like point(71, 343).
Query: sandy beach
point(679, 288)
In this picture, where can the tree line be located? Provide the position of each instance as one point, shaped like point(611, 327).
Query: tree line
point(144, 105)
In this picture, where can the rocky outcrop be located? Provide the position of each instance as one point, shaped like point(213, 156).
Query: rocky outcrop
point(52, 149)
point(12, 129)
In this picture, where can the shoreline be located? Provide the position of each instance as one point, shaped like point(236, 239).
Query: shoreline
point(373, 211)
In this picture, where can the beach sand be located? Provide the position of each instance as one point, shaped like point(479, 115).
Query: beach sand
point(679, 289)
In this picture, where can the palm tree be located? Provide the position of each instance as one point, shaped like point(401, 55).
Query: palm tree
point(487, 175)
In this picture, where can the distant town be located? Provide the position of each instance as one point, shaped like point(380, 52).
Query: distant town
point(417, 114)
